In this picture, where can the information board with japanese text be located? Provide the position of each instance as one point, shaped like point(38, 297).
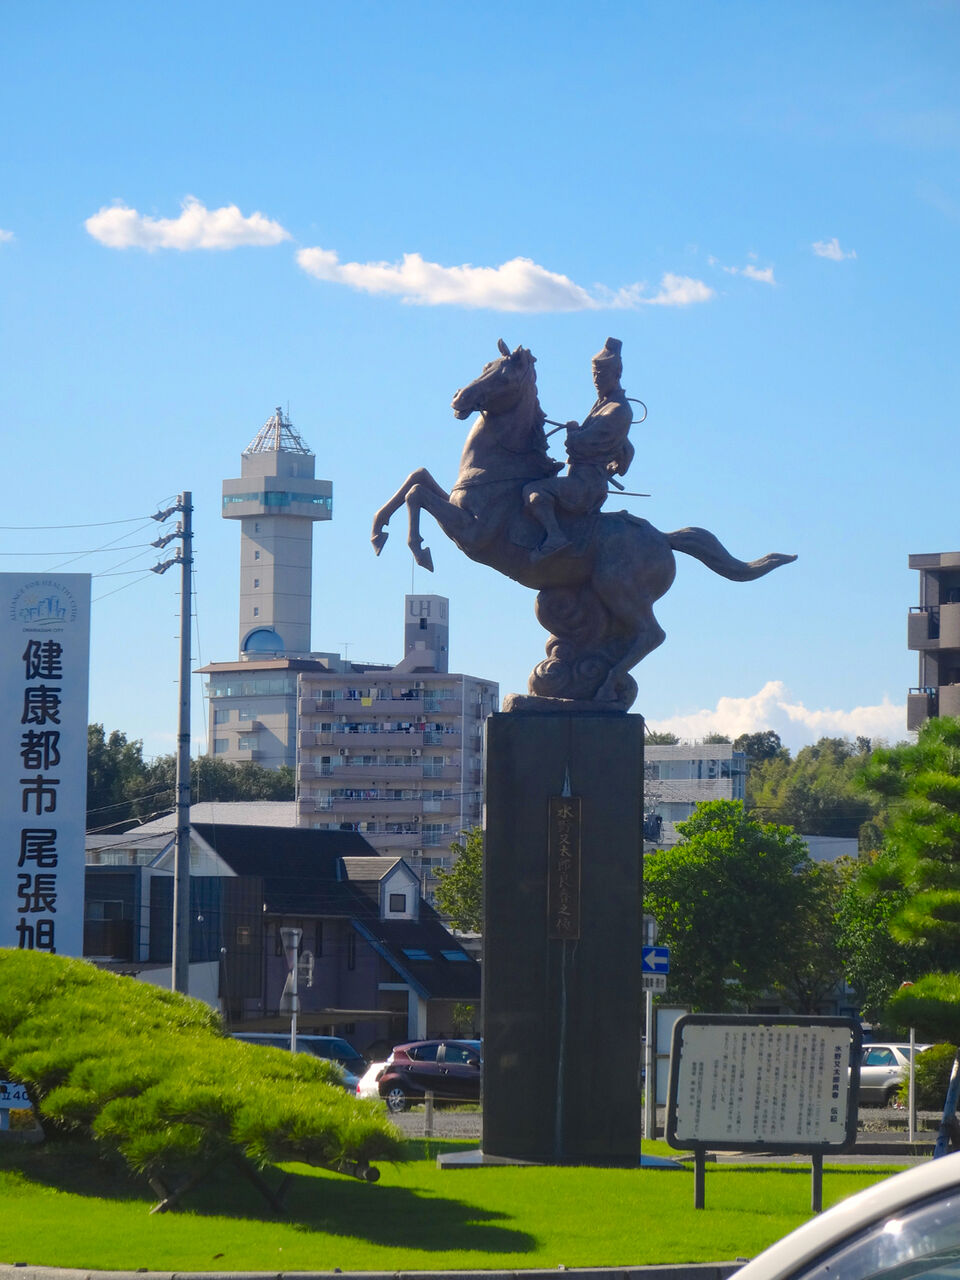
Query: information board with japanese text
point(771, 1083)
point(44, 676)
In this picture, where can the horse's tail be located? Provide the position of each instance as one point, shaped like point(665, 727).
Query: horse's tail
point(705, 547)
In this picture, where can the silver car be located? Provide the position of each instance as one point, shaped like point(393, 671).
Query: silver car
point(883, 1068)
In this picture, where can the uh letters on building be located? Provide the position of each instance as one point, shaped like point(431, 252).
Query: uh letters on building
point(44, 666)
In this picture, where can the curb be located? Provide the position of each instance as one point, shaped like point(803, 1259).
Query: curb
point(678, 1271)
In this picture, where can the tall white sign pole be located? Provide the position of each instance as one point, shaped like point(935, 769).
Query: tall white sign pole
point(44, 675)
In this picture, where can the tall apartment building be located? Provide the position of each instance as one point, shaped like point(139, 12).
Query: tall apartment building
point(391, 751)
point(678, 778)
point(933, 629)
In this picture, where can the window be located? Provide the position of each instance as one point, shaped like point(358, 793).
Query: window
point(416, 953)
point(398, 902)
point(351, 950)
point(879, 1058)
point(243, 935)
point(256, 582)
point(221, 715)
point(220, 745)
point(455, 957)
point(256, 613)
point(256, 555)
point(425, 1053)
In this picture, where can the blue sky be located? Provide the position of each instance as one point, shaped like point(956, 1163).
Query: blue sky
point(208, 210)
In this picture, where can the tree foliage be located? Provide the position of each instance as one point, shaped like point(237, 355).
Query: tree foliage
point(818, 793)
point(123, 789)
point(728, 900)
point(874, 961)
point(765, 745)
point(115, 775)
point(665, 739)
point(148, 1073)
point(921, 785)
point(811, 961)
point(459, 892)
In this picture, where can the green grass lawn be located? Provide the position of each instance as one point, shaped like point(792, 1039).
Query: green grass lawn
point(64, 1207)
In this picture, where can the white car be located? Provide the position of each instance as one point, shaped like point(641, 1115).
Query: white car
point(908, 1225)
point(367, 1084)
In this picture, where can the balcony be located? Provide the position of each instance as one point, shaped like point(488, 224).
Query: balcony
point(923, 628)
point(363, 810)
point(921, 705)
point(949, 700)
point(310, 771)
point(351, 774)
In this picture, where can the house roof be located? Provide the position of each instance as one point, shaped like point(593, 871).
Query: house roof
point(257, 813)
point(299, 867)
point(428, 969)
point(336, 873)
point(367, 868)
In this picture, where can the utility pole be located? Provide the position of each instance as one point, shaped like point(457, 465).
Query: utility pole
point(180, 966)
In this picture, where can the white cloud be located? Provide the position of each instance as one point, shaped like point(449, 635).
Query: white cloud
point(518, 285)
point(680, 291)
point(197, 227)
point(831, 249)
point(5, 236)
point(764, 274)
point(797, 725)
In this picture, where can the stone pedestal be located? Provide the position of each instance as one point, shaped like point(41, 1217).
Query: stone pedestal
point(562, 989)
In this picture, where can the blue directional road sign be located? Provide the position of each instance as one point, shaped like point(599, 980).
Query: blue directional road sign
point(655, 960)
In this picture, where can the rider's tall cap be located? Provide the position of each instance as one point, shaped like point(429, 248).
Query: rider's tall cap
point(611, 350)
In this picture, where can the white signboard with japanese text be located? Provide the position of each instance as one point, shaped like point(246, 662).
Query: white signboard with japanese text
point(763, 1082)
point(44, 676)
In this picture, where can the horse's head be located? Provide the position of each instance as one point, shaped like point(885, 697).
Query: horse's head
point(500, 386)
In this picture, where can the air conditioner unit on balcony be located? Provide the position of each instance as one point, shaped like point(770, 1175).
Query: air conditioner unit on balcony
point(416, 853)
point(344, 751)
point(416, 752)
point(342, 719)
point(420, 684)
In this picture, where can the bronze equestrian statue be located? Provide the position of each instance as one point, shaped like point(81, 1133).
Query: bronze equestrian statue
point(596, 574)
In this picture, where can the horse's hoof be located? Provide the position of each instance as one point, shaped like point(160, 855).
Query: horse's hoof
point(378, 540)
point(424, 559)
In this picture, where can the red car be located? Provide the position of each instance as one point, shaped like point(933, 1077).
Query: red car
point(450, 1069)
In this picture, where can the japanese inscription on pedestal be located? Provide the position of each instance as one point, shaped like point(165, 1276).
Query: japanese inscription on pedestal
point(563, 873)
point(44, 633)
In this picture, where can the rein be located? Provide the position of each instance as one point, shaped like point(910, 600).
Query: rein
point(559, 426)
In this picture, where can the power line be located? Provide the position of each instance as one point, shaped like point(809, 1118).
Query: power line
point(40, 528)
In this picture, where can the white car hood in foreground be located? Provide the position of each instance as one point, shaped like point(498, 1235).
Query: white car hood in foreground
point(852, 1216)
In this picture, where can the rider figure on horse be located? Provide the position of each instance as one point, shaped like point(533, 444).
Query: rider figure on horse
point(597, 449)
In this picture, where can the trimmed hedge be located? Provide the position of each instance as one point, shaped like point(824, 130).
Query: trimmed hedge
point(148, 1073)
point(931, 1076)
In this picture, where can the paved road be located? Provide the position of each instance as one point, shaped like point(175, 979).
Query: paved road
point(877, 1125)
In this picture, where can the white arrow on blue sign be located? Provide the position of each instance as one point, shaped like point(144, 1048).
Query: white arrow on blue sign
point(655, 960)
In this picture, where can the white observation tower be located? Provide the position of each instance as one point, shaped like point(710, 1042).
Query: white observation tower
point(276, 501)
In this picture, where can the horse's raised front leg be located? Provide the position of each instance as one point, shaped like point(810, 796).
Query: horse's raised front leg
point(420, 476)
point(453, 520)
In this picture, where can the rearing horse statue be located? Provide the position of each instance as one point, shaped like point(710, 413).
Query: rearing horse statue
point(596, 595)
